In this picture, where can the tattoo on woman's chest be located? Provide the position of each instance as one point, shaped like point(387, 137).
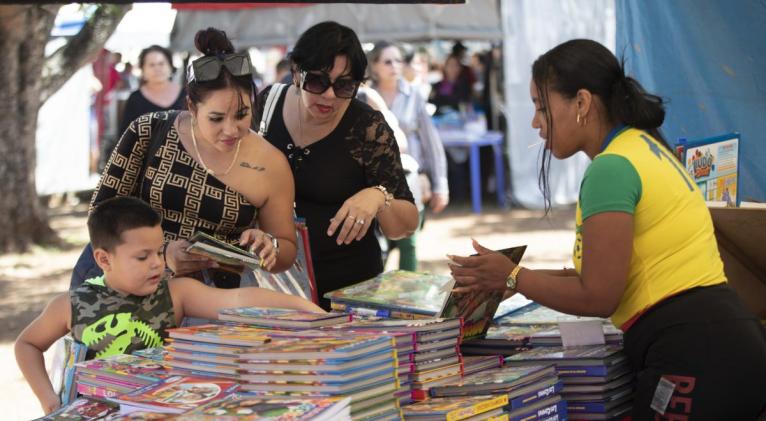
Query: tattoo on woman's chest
point(251, 166)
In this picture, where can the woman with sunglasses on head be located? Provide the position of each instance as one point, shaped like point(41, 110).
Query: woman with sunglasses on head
point(210, 173)
point(346, 165)
point(645, 252)
point(423, 142)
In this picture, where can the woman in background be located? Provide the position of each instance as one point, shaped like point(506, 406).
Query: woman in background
point(157, 92)
point(423, 141)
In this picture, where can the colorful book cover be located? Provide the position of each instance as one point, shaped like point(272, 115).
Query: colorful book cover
point(222, 252)
point(81, 409)
point(511, 304)
point(478, 308)
point(494, 381)
point(582, 355)
point(275, 317)
point(240, 407)
point(221, 334)
point(178, 394)
point(399, 325)
point(454, 409)
point(318, 348)
point(536, 314)
point(137, 369)
point(416, 292)
point(156, 353)
point(67, 353)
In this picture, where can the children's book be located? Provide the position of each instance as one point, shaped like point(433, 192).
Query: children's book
point(552, 337)
point(229, 256)
point(544, 409)
point(598, 407)
point(156, 353)
point(299, 278)
point(399, 325)
point(81, 409)
point(412, 292)
point(239, 407)
point(494, 381)
point(66, 353)
point(536, 314)
point(475, 364)
point(281, 318)
point(124, 367)
point(598, 355)
point(453, 409)
point(597, 387)
point(221, 334)
point(478, 308)
point(176, 394)
point(541, 389)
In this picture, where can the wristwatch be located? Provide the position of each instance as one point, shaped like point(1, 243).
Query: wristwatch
point(388, 196)
point(510, 282)
point(274, 242)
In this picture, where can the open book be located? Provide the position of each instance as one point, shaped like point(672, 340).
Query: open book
point(228, 256)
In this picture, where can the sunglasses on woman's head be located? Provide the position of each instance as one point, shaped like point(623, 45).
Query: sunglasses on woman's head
point(207, 68)
point(319, 83)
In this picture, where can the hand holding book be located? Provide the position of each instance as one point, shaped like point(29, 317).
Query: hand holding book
point(486, 270)
point(262, 244)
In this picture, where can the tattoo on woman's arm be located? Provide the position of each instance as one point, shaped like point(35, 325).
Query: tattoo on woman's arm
point(251, 166)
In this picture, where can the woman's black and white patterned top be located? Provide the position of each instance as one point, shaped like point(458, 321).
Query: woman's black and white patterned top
point(174, 184)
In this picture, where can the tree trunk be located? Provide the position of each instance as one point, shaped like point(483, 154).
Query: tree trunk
point(27, 79)
point(23, 34)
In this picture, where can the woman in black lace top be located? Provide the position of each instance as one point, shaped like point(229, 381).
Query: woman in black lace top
point(211, 173)
point(345, 161)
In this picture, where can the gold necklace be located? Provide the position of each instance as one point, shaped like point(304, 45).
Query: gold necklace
point(199, 155)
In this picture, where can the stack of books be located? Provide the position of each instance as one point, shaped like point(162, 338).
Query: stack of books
point(503, 340)
point(531, 391)
point(597, 381)
point(82, 409)
point(552, 336)
point(306, 363)
point(427, 350)
point(118, 374)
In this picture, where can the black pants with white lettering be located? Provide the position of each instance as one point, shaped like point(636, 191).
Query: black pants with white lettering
point(711, 350)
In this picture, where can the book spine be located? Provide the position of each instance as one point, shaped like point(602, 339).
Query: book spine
point(544, 413)
point(535, 396)
point(573, 371)
point(478, 408)
point(589, 407)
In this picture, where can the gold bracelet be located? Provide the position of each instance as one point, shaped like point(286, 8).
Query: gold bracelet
point(512, 279)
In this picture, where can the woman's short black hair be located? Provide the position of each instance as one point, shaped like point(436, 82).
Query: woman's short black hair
point(156, 49)
point(318, 46)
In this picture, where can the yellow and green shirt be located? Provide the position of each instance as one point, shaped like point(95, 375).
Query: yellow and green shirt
point(674, 247)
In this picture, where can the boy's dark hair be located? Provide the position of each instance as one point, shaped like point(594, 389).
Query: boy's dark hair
point(317, 47)
point(116, 215)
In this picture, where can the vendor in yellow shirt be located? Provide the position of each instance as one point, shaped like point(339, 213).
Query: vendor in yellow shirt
point(645, 252)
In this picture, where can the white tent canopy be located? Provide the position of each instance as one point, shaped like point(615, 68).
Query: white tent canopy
point(270, 26)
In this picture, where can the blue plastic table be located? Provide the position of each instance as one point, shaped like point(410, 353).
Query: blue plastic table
point(473, 141)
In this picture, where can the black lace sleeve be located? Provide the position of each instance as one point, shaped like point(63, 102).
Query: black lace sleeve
point(121, 172)
point(380, 155)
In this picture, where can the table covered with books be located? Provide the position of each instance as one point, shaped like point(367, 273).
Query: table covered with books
point(441, 357)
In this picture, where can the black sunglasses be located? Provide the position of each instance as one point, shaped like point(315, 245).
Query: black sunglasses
point(208, 68)
point(319, 83)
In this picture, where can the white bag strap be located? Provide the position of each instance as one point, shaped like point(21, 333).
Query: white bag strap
point(268, 109)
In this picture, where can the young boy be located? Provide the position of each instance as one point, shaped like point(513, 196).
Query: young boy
point(133, 303)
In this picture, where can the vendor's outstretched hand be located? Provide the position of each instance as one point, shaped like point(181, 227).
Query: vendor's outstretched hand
point(487, 270)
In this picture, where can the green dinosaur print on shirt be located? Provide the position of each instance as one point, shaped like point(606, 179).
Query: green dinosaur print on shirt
point(121, 327)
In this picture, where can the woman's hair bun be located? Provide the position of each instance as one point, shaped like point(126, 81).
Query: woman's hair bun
point(212, 42)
